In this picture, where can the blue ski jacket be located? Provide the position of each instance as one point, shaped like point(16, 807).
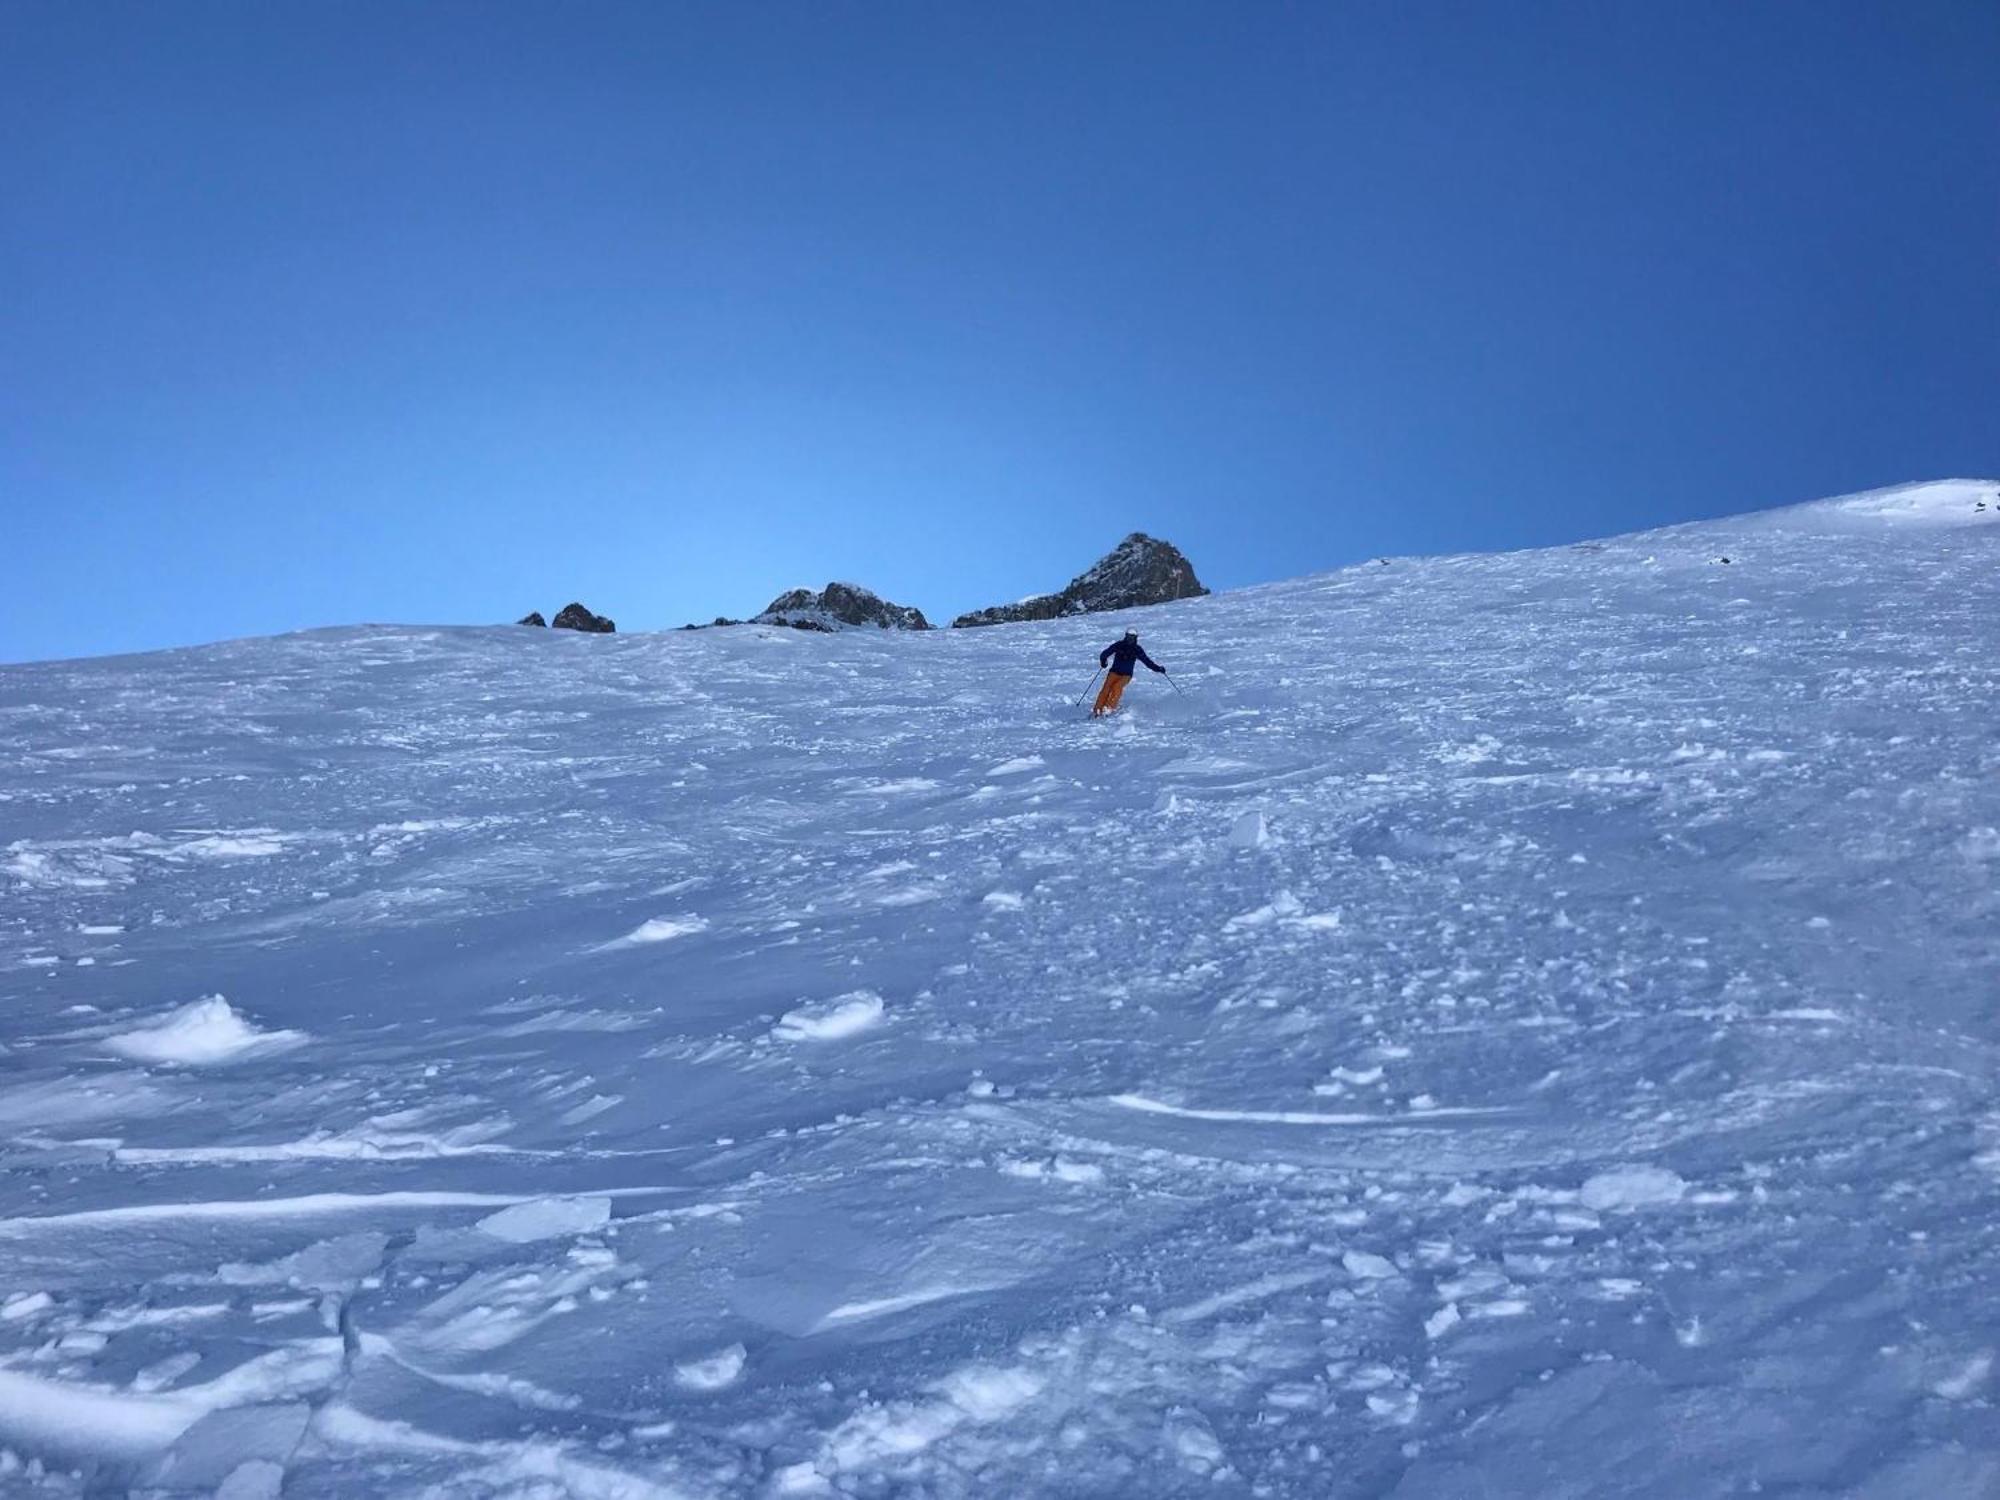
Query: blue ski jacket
point(1120, 654)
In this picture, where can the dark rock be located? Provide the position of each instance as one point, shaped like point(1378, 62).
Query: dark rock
point(576, 617)
point(1139, 570)
point(840, 606)
point(533, 617)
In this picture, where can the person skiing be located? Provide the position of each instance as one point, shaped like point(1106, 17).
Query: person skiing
point(1119, 656)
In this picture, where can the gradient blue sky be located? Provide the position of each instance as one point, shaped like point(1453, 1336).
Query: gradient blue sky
point(317, 313)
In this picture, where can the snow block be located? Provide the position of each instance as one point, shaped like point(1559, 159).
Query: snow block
point(546, 1219)
point(1633, 1187)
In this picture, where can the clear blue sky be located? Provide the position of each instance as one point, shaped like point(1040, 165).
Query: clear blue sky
point(318, 313)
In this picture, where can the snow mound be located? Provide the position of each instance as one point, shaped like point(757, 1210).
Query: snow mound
point(830, 1020)
point(664, 930)
point(1633, 1187)
point(203, 1032)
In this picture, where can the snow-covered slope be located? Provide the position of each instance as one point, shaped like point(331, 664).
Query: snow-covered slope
point(1517, 1026)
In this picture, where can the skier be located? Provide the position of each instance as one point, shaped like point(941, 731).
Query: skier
point(1119, 656)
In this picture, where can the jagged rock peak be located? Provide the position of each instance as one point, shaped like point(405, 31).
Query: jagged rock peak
point(840, 606)
point(1139, 570)
point(532, 617)
point(576, 617)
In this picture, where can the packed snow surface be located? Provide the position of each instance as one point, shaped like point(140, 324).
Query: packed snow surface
point(1514, 1026)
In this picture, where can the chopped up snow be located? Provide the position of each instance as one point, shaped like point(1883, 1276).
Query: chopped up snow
point(1514, 1025)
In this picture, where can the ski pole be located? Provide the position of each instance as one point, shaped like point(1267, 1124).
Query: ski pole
point(1170, 679)
point(1086, 692)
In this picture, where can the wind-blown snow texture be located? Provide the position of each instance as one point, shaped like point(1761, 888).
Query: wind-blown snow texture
point(1519, 1026)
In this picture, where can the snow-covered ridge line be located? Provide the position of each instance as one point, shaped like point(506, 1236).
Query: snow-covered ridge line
point(1935, 502)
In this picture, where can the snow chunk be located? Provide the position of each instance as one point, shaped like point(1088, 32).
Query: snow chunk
point(255, 844)
point(711, 1372)
point(1249, 831)
point(1360, 1263)
point(25, 1305)
point(1282, 907)
point(326, 1266)
point(1980, 844)
point(1962, 1382)
point(1396, 1407)
point(1058, 1169)
point(830, 1020)
point(1633, 1187)
point(163, 1373)
point(204, 1031)
point(880, 1434)
point(258, 1479)
point(665, 929)
point(231, 1454)
point(987, 1392)
point(591, 1108)
point(74, 1422)
point(546, 1219)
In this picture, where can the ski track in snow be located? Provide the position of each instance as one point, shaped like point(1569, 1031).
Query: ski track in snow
point(1520, 1025)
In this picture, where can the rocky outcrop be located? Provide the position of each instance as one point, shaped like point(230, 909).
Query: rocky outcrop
point(840, 606)
point(576, 617)
point(1139, 570)
point(533, 617)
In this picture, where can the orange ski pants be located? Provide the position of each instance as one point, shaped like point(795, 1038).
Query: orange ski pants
point(1114, 687)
